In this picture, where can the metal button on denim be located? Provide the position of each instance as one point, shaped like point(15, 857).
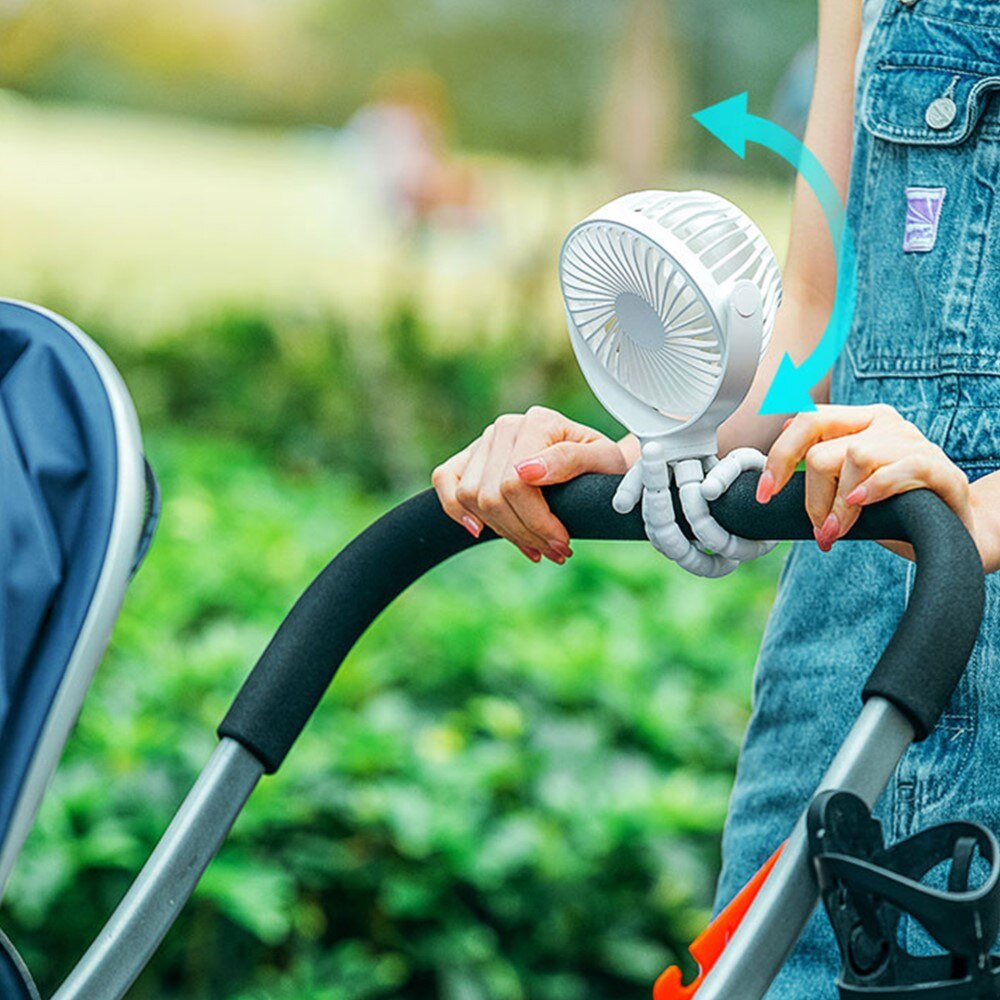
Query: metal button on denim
point(940, 113)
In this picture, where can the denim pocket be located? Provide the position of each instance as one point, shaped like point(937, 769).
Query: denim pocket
point(922, 200)
point(956, 14)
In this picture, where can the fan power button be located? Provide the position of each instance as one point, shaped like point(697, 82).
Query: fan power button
point(746, 298)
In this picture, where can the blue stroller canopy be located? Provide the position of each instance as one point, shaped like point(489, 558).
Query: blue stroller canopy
point(72, 519)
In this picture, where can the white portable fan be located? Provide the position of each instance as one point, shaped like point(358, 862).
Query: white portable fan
point(670, 302)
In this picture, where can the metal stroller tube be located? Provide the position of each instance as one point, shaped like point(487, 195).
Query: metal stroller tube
point(905, 695)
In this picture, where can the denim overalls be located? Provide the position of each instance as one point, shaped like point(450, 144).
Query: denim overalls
point(925, 212)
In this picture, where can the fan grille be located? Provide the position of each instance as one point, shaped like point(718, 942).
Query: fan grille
point(726, 240)
point(638, 309)
point(643, 318)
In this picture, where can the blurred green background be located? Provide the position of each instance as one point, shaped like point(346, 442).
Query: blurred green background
point(319, 239)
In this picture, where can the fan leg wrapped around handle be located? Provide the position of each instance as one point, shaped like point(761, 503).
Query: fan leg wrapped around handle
point(661, 520)
point(719, 476)
point(714, 552)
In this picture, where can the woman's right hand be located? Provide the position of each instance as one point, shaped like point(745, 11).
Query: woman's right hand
point(495, 480)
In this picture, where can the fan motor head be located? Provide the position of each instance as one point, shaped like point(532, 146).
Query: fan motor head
point(647, 281)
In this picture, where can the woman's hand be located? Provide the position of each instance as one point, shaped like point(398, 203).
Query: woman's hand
point(859, 455)
point(495, 480)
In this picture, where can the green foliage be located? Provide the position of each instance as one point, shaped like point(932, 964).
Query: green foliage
point(514, 789)
point(385, 403)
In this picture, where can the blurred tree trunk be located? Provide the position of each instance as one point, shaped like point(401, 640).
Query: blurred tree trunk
point(637, 133)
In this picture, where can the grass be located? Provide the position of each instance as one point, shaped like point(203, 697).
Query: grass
point(146, 222)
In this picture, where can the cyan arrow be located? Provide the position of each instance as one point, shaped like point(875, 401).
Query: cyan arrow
point(730, 122)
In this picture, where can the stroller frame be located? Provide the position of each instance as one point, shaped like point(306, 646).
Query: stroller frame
point(119, 562)
point(908, 690)
point(746, 968)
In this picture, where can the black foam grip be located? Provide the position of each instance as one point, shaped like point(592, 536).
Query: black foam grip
point(918, 670)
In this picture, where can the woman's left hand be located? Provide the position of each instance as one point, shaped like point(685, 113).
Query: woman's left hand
point(859, 455)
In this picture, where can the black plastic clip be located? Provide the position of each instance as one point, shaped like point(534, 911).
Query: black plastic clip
point(867, 888)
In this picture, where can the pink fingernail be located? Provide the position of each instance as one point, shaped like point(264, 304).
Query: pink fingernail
point(857, 496)
point(829, 532)
point(765, 486)
point(533, 554)
point(474, 527)
point(531, 468)
point(555, 557)
point(561, 547)
point(820, 540)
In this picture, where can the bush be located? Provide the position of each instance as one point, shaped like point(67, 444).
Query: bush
point(385, 403)
point(515, 789)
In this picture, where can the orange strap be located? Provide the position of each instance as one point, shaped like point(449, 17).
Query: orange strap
point(711, 942)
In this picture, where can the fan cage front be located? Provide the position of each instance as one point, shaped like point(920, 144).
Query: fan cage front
point(644, 317)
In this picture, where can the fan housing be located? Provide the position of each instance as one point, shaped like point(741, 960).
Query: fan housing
point(651, 284)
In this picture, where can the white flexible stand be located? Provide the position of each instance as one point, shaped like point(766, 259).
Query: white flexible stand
point(684, 448)
point(715, 551)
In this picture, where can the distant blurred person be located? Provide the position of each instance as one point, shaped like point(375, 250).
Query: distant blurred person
point(401, 135)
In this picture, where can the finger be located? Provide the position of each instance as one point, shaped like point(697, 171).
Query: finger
point(863, 454)
point(532, 510)
point(558, 426)
point(629, 490)
point(521, 488)
point(499, 481)
point(445, 480)
point(566, 460)
point(806, 430)
point(470, 479)
point(533, 554)
point(470, 487)
point(533, 434)
point(918, 470)
point(823, 464)
point(542, 428)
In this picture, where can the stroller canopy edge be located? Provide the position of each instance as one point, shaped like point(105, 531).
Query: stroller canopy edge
point(72, 511)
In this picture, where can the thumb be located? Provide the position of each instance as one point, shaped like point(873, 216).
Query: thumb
point(569, 459)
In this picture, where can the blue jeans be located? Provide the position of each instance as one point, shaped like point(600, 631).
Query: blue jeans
point(925, 339)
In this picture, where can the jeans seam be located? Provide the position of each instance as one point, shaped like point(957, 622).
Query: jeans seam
point(958, 21)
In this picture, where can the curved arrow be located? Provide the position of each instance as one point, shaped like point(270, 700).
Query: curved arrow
point(731, 123)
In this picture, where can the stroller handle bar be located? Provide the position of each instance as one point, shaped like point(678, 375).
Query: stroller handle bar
point(917, 672)
point(905, 694)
